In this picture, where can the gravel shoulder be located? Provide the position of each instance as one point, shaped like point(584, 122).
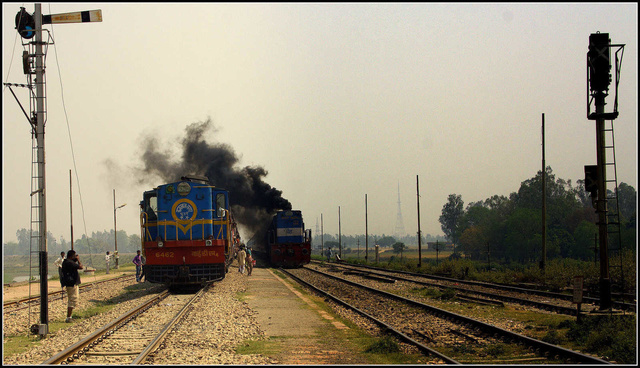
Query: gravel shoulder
point(244, 320)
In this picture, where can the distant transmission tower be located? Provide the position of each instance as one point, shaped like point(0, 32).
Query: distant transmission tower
point(399, 232)
point(317, 231)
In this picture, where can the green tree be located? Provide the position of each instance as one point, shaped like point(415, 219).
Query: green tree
point(584, 236)
point(399, 247)
point(522, 238)
point(452, 211)
point(386, 241)
point(473, 242)
point(628, 199)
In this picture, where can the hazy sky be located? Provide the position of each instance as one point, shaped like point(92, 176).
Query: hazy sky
point(335, 101)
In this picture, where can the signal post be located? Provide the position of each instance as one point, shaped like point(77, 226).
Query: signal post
point(599, 79)
point(30, 26)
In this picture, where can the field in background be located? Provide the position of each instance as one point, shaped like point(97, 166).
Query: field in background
point(18, 266)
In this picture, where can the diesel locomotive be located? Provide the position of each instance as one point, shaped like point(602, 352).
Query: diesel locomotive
point(285, 243)
point(187, 232)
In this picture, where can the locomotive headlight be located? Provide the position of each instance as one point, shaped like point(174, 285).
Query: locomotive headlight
point(208, 242)
point(160, 244)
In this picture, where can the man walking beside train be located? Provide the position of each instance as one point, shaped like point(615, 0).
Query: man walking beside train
point(137, 260)
point(242, 255)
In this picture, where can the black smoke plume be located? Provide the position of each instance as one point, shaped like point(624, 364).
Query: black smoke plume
point(253, 201)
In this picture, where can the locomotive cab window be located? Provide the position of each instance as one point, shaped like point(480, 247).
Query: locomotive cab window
point(151, 206)
point(221, 203)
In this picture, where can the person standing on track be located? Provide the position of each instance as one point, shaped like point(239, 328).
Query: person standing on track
point(107, 259)
point(71, 280)
point(137, 260)
point(242, 255)
point(58, 262)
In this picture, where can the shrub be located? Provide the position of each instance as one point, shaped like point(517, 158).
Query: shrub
point(384, 345)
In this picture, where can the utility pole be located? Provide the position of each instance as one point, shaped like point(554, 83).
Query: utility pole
point(366, 230)
point(339, 235)
point(71, 208)
point(115, 229)
point(543, 261)
point(30, 26)
point(321, 236)
point(419, 232)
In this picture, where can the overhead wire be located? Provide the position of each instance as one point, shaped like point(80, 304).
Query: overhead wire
point(64, 107)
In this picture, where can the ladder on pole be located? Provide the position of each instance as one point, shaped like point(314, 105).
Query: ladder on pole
point(36, 220)
point(613, 212)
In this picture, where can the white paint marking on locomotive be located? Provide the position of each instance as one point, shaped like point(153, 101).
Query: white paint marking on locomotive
point(291, 231)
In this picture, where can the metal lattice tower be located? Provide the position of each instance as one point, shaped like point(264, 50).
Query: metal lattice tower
point(399, 231)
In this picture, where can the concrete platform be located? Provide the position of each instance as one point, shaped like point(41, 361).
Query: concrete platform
point(295, 323)
point(282, 310)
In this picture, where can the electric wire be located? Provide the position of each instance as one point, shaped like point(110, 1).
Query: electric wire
point(13, 52)
point(64, 107)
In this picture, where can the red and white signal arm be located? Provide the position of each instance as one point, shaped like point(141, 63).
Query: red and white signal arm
point(73, 17)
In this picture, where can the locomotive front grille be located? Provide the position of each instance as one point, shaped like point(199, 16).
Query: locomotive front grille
point(189, 274)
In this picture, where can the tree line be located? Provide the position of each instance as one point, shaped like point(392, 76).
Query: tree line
point(99, 242)
point(510, 228)
point(386, 241)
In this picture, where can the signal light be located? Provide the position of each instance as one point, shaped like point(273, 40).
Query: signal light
point(599, 58)
point(25, 24)
point(591, 180)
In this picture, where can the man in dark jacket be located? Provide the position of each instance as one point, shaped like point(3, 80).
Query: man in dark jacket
point(71, 280)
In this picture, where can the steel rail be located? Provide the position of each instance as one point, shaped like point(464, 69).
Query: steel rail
point(587, 299)
point(156, 343)
point(546, 306)
point(441, 313)
point(384, 325)
point(79, 348)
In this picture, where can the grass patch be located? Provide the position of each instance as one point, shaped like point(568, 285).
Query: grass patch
point(434, 293)
point(19, 344)
point(383, 345)
point(613, 337)
point(268, 347)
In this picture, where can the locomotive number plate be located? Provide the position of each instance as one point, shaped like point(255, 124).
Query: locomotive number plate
point(165, 255)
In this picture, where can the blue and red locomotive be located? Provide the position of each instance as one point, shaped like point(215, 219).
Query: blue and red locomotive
point(286, 242)
point(188, 232)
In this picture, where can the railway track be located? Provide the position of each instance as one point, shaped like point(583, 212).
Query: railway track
point(15, 305)
point(545, 300)
point(439, 330)
point(133, 337)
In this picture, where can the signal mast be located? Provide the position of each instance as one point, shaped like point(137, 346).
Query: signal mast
point(29, 26)
point(598, 81)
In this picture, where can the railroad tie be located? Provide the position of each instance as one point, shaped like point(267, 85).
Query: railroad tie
point(108, 353)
